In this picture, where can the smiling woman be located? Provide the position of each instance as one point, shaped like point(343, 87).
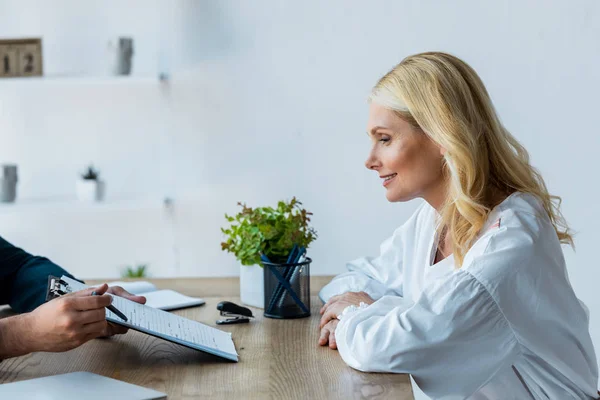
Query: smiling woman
point(408, 160)
point(463, 295)
point(467, 161)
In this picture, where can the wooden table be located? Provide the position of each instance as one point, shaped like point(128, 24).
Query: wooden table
point(279, 359)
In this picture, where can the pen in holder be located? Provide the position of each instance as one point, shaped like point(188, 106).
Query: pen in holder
point(287, 286)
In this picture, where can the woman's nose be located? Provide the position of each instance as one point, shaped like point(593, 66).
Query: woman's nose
point(371, 162)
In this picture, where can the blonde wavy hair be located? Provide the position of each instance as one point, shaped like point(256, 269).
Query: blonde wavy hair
point(445, 98)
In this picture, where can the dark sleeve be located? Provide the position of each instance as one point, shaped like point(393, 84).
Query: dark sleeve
point(24, 277)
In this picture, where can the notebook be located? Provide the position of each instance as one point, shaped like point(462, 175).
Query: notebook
point(167, 326)
point(77, 386)
point(162, 299)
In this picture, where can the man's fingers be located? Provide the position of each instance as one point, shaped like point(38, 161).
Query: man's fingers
point(118, 329)
point(90, 302)
point(88, 292)
point(92, 316)
point(119, 291)
point(97, 328)
point(89, 337)
point(115, 329)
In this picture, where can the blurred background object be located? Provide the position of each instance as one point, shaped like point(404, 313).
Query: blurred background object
point(120, 54)
point(8, 183)
point(90, 187)
point(135, 271)
point(21, 57)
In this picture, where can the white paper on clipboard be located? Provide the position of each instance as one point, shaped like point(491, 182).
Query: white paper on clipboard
point(168, 326)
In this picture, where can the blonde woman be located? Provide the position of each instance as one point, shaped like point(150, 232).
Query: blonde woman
point(471, 294)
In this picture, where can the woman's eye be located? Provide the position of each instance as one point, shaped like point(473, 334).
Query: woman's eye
point(384, 140)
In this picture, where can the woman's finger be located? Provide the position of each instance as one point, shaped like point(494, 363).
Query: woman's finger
point(324, 336)
point(324, 308)
point(332, 303)
point(328, 316)
point(332, 342)
point(323, 321)
point(331, 300)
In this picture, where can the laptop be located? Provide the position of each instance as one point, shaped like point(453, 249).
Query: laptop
point(77, 386)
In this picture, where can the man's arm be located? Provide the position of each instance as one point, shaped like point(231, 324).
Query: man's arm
point(58, 325)
point(14, 336)
point(24, 277)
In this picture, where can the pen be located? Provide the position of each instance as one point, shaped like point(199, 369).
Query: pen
point(113, 309)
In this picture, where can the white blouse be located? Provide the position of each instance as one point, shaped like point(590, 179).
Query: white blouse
point(507, 325)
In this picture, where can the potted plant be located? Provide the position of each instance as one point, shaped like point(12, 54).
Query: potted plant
point(275, 237)
point(139, 271)
point(90, 188)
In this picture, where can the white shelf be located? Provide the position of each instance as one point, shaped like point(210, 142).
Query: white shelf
point(84, 80)
point(72, 204)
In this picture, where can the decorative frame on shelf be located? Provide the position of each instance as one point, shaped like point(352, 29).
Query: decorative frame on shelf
point(21, 57)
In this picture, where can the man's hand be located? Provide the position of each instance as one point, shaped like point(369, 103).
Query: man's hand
point(62, 324)
point(115, 329)
point(328, 334)
point(69, 321)
point(337, 304)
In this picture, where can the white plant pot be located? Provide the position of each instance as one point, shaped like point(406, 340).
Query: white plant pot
point(90, 190)
point(252, 285)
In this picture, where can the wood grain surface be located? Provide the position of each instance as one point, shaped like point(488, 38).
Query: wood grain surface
point(279, 359)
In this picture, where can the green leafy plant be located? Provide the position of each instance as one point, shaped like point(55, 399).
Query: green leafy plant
point(91, 174)
point(269, 231)
point(138, 271)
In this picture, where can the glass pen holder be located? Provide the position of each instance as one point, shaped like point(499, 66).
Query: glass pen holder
point(287, 289)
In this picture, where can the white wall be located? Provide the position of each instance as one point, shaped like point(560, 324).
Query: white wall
point(266, 101)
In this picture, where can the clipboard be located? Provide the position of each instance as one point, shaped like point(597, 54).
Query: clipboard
point(56, 288)
point(155, 322)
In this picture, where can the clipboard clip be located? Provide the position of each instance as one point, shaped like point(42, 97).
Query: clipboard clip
point(56, 288)
point(238, 314)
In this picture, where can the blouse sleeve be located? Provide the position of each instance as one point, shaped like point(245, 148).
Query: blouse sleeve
point(377, 276)
point(455, 333)
point(369, 274)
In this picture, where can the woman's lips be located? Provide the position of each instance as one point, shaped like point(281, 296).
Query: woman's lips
point(388, 180)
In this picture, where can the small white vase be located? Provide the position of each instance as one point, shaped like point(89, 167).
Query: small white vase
point(119, 54)
point(8, 183)
point(90, 190)
point(252, 285)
